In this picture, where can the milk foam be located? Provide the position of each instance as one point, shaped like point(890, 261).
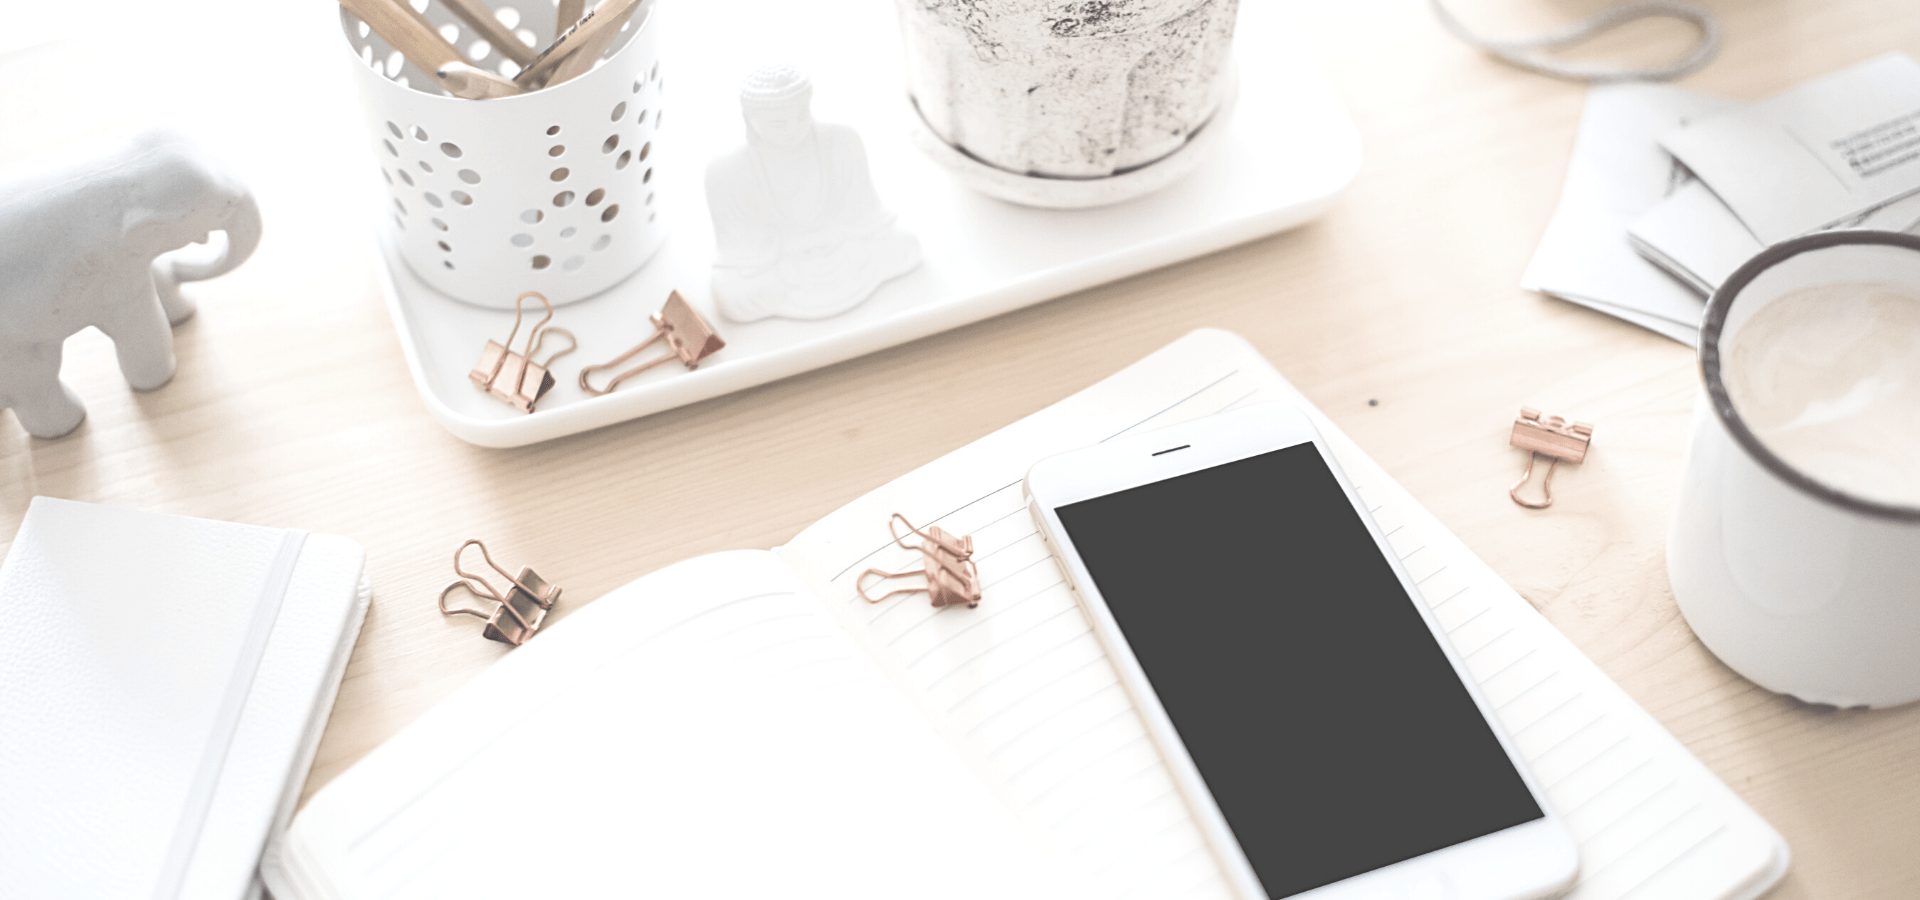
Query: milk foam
point(1828, 378)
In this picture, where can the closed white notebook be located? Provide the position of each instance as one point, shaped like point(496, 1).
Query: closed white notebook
point(606, 739)
point(166, 683)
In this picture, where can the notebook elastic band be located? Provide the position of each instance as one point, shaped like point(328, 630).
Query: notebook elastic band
point(193, 814)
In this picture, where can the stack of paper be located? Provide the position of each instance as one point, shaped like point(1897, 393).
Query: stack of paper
point(1697, 185)
point(1618, 173)
point(1839, 152)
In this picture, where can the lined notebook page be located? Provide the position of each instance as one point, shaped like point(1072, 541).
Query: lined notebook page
point(1023, 689)
point(704, 731)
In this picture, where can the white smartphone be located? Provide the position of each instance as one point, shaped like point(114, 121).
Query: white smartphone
point(1326, 737)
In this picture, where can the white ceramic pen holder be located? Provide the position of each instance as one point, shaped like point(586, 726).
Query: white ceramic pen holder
point(549, 191)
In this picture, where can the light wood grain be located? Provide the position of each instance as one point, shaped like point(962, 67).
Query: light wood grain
point(1398, 314)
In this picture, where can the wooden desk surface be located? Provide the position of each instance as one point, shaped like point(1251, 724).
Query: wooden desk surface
point(1398, 313)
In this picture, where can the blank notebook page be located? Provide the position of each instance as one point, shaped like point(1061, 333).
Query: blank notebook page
point(703, 731)
point(1022, 685)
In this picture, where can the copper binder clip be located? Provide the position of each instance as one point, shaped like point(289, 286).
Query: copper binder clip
point(515, 377)
point(1554, 438)
point(518, 613)
point(952, 578)
point(689, 340)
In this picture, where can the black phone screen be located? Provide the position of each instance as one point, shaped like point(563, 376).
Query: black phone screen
point(1320, 709)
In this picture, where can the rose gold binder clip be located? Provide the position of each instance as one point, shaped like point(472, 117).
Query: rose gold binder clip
point(952, 578)
point(517, 614)
point(689, 340)
point(513, 376)
point(1552, 437)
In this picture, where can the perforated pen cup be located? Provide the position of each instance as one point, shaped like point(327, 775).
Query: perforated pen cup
point(549, 191)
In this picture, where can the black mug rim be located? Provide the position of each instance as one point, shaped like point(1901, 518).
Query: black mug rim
point(1716, 319)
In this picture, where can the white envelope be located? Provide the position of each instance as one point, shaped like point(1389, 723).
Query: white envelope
point(1695, 237)
point(1618, 172)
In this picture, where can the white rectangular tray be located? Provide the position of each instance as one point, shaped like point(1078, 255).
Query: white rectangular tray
point(1290, 150)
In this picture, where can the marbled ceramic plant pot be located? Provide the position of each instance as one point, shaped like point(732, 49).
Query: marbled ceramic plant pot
point(1052, 91)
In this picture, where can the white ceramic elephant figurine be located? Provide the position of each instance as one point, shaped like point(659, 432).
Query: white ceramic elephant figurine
point(90, 242)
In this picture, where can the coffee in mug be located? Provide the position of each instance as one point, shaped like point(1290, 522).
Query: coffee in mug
point(1795, 549)
point(1828, 378)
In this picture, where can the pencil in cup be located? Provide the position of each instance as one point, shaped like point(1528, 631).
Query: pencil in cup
point(551, 191)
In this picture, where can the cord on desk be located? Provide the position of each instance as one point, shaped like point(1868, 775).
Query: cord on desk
point(1528, 53)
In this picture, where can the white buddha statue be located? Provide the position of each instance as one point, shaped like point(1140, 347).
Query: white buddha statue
point(798, 230)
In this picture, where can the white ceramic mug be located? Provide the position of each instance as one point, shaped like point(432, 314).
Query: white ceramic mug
point(1805, 588)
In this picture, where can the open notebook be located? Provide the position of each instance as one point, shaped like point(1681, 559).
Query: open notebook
point(743, 721)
